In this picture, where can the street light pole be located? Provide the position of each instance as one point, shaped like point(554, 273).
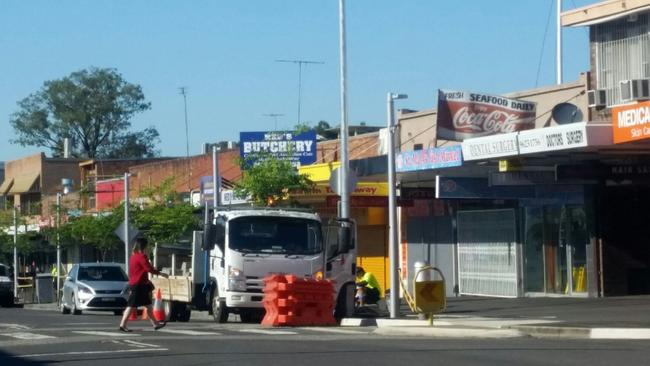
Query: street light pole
point(58, 248)
point(187, 139)
point(392, 206)
point(275, 119)
point(127, 235)
point(15, 252)
point(344, 211)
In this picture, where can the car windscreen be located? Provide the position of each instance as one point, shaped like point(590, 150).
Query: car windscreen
point(268, 234)
point(4, 271)
point(101, 273)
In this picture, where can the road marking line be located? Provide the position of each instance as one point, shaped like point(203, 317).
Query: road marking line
point(28, 336)
point(85, 323)
point(262, 331)
point(13, 326)
point(187, 332)
point(335, 330)
point(107, 334)
point(619, 333)
point(140, 344)
point(91, 352)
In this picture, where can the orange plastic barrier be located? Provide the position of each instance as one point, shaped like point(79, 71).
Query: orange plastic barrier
point(292, 301)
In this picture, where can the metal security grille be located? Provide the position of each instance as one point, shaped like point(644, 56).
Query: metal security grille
point(622, 53)
point(487, 253)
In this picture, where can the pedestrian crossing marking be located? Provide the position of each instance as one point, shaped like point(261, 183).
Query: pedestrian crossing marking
point(105, 334)
point(263, 331)
point(27, 336)
point(187, 332)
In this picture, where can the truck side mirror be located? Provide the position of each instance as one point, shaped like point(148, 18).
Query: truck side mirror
point(345, 239)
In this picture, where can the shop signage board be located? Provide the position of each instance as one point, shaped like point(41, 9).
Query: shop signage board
point(522, 178)
point(434, 158)
point(631, 122)
point(463, 115)
point(555, 138)
point(300, 149)
point(489, 147)
point(602, 172)
point(447, 187)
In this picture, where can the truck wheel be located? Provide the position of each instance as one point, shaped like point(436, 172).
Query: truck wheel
point(170, 311)
point(251, 315)
point(184, 313)
point(219, 308)
point(344, 303)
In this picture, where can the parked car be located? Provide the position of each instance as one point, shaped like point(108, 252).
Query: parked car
point(95, 286)
point(6, 286)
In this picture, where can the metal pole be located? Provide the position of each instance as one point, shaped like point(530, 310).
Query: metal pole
point(187, 139)
point(15, 252)
point(216, 181)
point(343, 177)
point(299, 87)
point(392, 206)
point(58, 248)
point(126, 222)
point(558, 44)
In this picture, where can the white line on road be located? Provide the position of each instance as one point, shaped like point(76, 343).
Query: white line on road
point(335, 330)
point(92, 352)
point(140, 344)
point(262, 331)
point(620, 333)
point(106, 334)
point(86, 323)
point(13, 326)
point(28, 336)
point(187, 332)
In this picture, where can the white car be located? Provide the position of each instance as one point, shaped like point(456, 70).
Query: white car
point(95, 286)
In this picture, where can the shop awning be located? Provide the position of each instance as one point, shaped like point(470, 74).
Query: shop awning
point(24, 183)
point(4, 187)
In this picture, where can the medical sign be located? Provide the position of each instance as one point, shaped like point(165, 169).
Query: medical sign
point(631, 122)
point(300, 149)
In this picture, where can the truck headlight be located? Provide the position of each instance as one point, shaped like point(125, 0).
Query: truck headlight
point(236, 279)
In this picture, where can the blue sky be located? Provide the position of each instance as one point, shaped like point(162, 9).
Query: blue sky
point(224, 52)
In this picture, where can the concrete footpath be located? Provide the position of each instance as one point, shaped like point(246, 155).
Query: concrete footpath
point(582, 318)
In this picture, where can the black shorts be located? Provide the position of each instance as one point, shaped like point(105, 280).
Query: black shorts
point(371, 295)
point(139, 295)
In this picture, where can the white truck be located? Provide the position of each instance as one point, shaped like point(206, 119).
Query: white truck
point(239, 247)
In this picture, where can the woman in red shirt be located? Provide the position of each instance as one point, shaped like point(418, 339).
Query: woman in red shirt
point(140, 287)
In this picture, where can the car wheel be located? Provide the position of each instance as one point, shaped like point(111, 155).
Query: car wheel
point(74, 309)
point(219, 308)
point(64, 310)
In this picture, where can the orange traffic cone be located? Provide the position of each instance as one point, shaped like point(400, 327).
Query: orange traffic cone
point(158, 310)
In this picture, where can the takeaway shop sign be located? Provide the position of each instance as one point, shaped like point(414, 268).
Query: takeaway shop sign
point(631, 122)
point(300, 149)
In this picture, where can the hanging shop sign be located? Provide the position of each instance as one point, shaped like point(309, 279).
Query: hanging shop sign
point(300, 149)
point(631, 122)
point(434, 158)
point(522, 178)
point(419, 193)
point(489, 147)
point(463, 115)
point(564, 137)
point(479, 188)
point(603, 172)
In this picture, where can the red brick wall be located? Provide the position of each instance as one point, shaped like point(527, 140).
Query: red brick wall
point(361, 146)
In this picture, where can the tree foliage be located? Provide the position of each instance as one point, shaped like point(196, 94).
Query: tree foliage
point(269, 180)
point(93, 108)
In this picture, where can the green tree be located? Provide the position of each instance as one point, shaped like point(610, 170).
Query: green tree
point(96, 231)
point(91, 107)
point(269, 181)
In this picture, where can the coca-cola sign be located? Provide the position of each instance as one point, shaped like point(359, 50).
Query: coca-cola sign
point(463, 115)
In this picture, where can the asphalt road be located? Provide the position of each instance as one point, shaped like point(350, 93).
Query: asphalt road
point(29, 337)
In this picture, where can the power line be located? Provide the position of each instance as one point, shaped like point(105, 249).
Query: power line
point(275, 118)
point(300, 63)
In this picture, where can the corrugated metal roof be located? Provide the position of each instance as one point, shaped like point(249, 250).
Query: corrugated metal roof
point(4, 187)
point(24, 183)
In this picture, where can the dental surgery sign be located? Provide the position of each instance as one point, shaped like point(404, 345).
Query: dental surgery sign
point(463, 115)
point(300, 148)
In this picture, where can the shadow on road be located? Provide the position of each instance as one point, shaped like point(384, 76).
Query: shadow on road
point(9, 359)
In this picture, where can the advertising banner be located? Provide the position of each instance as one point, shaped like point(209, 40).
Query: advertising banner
point(463, 115)
point(631, 122)
point(489, 147)
point(300, 149)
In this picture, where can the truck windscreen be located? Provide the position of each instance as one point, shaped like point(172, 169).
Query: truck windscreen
point(275, 235)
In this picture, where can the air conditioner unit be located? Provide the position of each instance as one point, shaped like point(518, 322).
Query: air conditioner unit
point(635, 89)
point(597, 98)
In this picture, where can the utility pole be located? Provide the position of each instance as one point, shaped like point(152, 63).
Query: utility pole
point(344, 211)
point(183, 92)
point(558, 43)
point(275, 118)
point(300, 63)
